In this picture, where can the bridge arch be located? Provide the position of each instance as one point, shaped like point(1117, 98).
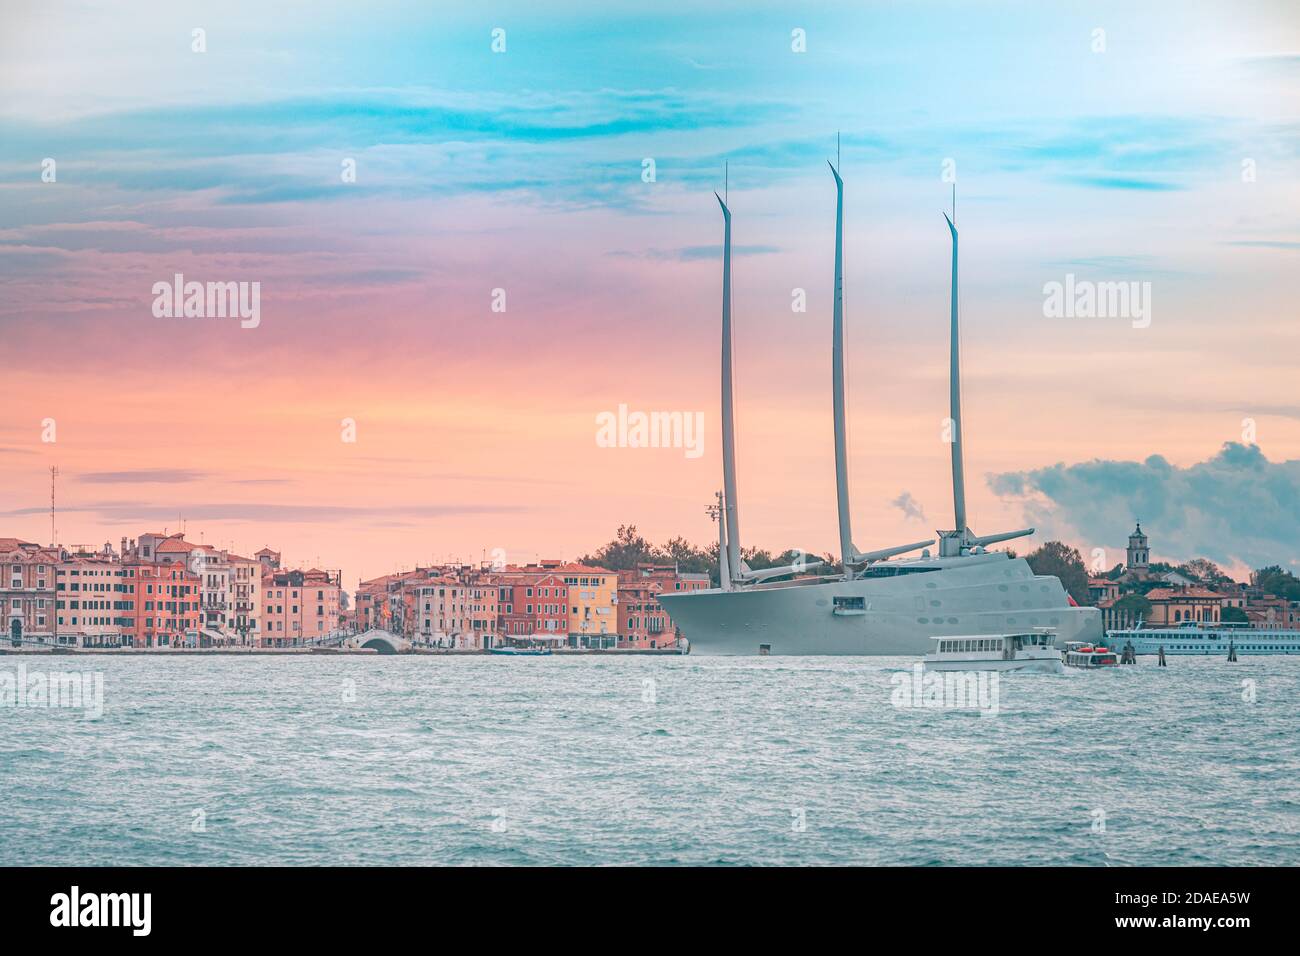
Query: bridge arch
point(383, 642)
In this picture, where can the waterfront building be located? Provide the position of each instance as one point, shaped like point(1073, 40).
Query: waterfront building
point(27, 591)
point(1270, 612)
point(299, 607)
point(90, 599)
point(372, 605)
point(642, 621)
point(1171, 606)
point(531, 602)
point(1102, 589)
point(160, 604)
point(244, 622)
point(459, 609)
point(593, 604)
point(215, 602)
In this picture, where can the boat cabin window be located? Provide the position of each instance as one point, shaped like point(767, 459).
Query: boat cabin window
point(850, 603)
point(885, 571)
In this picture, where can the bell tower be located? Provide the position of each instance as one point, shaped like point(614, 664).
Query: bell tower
point(1139, 557)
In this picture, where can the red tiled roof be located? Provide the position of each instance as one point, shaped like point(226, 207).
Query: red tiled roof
point(572, 568)
point(174, 544)
point(1175, 594)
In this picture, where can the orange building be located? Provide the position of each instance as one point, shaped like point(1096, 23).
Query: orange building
point(1171, 606)
point(160, 606)
point(531, 603)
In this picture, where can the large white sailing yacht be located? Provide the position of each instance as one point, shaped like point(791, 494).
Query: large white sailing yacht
point(882, 604)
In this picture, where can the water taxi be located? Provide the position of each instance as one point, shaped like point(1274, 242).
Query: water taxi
point(532, 645)
point(1032, 651)
point(1089, 656)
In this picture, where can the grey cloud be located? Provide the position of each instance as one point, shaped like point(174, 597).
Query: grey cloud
point(910, 507)
point(164, 476)
point(1234, 507)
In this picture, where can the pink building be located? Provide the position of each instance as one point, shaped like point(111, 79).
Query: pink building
point(299, 606)
point(642, 621)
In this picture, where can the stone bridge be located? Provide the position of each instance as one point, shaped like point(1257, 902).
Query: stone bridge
point(382, 641)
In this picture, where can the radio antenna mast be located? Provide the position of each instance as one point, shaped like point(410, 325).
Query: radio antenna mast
point(54, 473)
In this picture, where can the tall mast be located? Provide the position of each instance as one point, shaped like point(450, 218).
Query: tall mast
point(848, 553)
point(732, 524)
point(850, 556)
point(954, 396)
point(960, 540)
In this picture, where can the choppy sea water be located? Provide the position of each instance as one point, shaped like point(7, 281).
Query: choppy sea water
point(645, 760)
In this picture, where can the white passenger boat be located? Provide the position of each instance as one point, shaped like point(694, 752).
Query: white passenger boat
point(1032, 651)
point(1204, 639)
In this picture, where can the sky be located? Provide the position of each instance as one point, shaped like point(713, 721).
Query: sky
point(1156, 143)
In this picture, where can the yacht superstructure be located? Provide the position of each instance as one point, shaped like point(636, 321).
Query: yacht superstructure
point(881, 604)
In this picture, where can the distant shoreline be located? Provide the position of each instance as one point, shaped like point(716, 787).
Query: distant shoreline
point(314, 652)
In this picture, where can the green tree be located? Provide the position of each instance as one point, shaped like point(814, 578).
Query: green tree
point(689, 558)
point(626, 551)
point(1207, 572)
point(1274, 580)
point(1063, 562)
point(1135, 606)
point(1233, 615)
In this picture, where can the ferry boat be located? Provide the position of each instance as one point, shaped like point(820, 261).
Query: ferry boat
point(1194, 637)
point(1089, 656)
point(1032, 651)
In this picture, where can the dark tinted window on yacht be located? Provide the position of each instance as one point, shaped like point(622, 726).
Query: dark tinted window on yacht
point(885, 571)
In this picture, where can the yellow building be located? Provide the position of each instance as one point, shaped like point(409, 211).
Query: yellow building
point(593, 605)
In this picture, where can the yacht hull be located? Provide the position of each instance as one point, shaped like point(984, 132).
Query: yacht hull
point(899, 614)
